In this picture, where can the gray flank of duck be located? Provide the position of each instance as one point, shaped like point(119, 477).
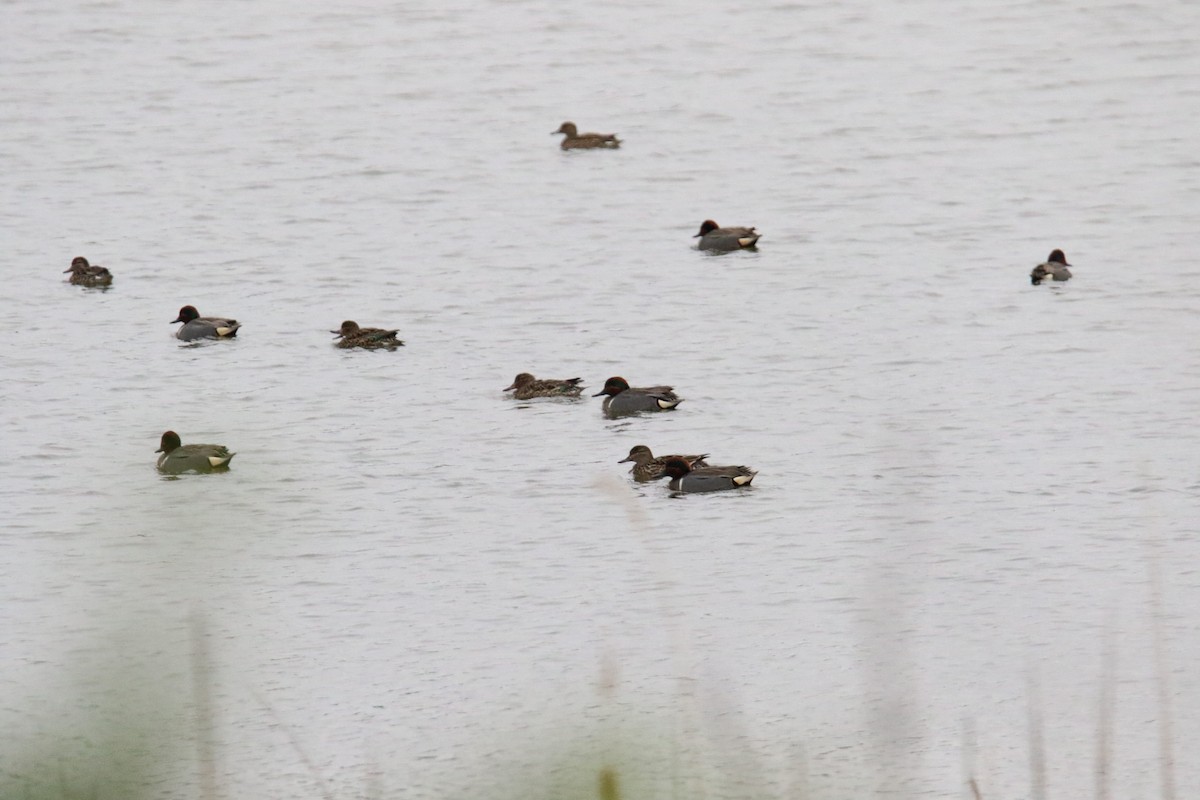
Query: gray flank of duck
point(198, 327)
point(717, 239)
point(1053, 268)
point(623, 399)
point(177, 458)
point(706, 479)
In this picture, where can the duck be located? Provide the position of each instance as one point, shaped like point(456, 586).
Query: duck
point(1054, 269)
point(527, 387)
point(648, 468)
point(352, 335)
point(178, 457)
point(574, 140)
point(706, 479)
point(84, 274)
point(622, 399)
point(714, 237)
point(198, 327)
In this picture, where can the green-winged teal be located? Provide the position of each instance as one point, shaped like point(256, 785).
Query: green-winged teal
point(177, 457)
point(573, 139)
point(367, 338)
point(648, 468)
point(714, 237)
point(198, 327)
point(1054, 269)
point(84, 274)
point(623, 400)
point(706, 479)
point(527, 387)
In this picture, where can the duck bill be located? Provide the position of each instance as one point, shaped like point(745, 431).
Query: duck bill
point(337, 334)
point(625, 460)
point(597, 394)
point(177, 319)
point(65, 271)
point(509, 388)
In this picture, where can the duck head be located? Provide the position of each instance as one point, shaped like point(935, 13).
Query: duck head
point(613, 386)
point(170, 441)
point(638, 454)
point(676, 468)
point(523, 379)
point(347, 330)
point(78, 264)
point(186, 315)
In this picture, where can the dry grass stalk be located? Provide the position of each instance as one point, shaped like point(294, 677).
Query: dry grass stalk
point(1166, 745)
point(202, 676)
point(608, 784)
point(1104, 723)
point(1037, 748)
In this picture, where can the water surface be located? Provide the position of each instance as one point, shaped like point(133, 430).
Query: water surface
point(410, 585)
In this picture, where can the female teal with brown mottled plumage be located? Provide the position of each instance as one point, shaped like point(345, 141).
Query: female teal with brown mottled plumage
point(85, 274)
point(574, 140)
point(352, 335)
point(648, 468)
point(527, 387)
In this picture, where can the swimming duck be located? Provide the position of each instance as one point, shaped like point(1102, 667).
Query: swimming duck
point(648, 468)
point(367, 338)
point(625, 400)
point(706, 479)
point(713, 237)
point(84, 274)
point(1054, 268)
point(177, 457)
point(198, 327)
point(527, 387)
point(573, 139)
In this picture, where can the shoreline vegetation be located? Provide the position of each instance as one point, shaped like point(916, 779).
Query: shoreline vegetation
point(116, 767)
point(123, 757)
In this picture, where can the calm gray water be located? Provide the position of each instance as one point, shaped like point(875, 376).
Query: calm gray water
point(409, 585)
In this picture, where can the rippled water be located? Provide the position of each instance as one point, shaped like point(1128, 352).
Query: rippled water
point(410, 585)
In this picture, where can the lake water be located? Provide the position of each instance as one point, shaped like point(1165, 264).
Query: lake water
point(974, 526)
